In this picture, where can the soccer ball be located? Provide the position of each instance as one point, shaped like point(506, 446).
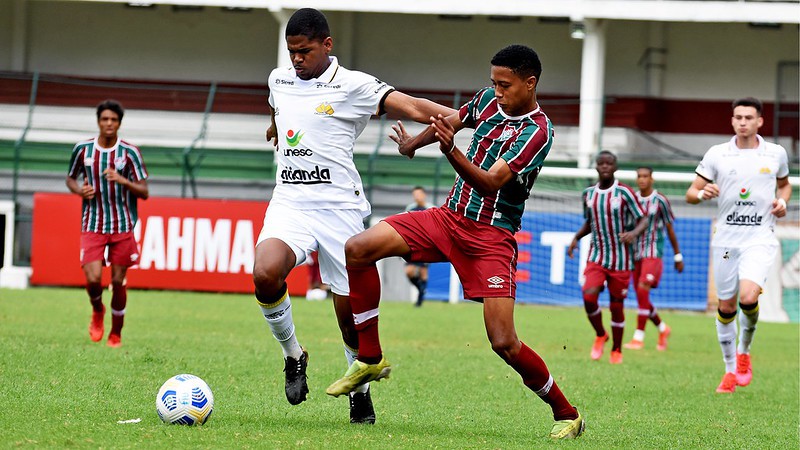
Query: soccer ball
point(185, 400)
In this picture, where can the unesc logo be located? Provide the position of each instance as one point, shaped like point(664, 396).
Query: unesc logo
point(495, 282)
point(744, 193)
point(293, 138)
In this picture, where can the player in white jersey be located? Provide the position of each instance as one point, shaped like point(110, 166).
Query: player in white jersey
point(751, 179)
point(319, 108)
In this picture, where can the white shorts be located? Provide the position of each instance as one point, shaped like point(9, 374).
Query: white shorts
point(308, 230)
point(748, 263)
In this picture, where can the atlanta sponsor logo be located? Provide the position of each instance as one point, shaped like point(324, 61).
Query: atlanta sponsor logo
point(744, 220)
point(290, 175)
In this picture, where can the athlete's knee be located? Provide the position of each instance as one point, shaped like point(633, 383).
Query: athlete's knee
point(643, 285)
point(591, 295)
point(267, 281)
point(505, 345)
point(750, 297)
point(358, 251)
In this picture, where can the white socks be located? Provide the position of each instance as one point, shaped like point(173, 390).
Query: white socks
point(279, 319)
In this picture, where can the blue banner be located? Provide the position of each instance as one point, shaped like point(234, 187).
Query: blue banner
point(546, 275)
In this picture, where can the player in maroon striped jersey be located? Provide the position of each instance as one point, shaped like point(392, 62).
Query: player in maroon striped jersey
point(474, 229)
point(114, 176)
point(648, 264)
point(614, 218)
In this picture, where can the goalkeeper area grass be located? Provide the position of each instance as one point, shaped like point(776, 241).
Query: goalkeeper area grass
point(447, 390)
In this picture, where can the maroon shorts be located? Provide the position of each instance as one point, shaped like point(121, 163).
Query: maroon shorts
point(617, 280)
point(648, 271)
point(484, 256)
point(122, 248)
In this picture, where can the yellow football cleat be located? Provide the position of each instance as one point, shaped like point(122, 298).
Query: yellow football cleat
point(568, 429)
point(358, 374)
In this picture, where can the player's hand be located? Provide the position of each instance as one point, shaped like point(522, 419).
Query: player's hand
point(87, 191)
point(113, 176)
point(778, 208)
point(444, 133)
point(571, 249)
point(679, 267)
point(712, 191)
point(272, 134)
point(627, 237)
point(402, 139)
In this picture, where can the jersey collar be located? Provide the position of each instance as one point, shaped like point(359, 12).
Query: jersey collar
point(760, 143)
point(325, 77)
point(104, 149)
point(535, 111)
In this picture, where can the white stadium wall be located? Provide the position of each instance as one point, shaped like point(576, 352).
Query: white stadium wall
point(704, 61)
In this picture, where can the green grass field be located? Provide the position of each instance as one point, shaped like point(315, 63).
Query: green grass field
point(448, 389)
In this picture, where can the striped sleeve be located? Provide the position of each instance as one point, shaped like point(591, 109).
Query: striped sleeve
point(587, 214)
point(76, 161)
point(138, 169)
point(669, 217)
point(529, 148)
point(630, 200)
point(468, 111)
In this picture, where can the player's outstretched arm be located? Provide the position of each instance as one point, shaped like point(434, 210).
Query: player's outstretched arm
point(407, 145)
point(784, 194)
point(417, 109)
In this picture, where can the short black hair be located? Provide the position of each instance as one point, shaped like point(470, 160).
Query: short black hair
point(522, 60)
point(647, 168)
point(310, 23)
point(749, 101)
point(605, 153)
point(418, 187)
point(113, 105)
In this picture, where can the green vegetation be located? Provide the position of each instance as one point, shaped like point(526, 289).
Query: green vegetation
point(448, 389)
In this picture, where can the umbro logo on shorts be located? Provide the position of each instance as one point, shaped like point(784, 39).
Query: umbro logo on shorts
point(495, 282)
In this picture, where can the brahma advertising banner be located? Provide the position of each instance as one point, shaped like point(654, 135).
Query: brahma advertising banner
point(186, 244)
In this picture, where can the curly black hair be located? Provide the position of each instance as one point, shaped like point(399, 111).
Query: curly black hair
point(522, 60)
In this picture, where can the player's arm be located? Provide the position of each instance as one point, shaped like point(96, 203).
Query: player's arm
point(138, 188)
point(486, 182)
point(784, 194)
point(629, 236)
point(84, 190)
point(272, 130)
point(417, 109)
point(673, 239)
point(407, 145)
point(701, 189)
point(584, 230)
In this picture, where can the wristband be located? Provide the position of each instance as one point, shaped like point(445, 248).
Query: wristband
point(452, 147)
point(782, 202)
point(678, 258)
point(701, 195)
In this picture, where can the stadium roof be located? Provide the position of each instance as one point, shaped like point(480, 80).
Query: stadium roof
point(764, 11)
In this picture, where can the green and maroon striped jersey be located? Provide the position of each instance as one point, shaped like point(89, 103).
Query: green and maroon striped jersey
point(523, 142)
point(610, 212)
point(113, 208)
point(650, 244)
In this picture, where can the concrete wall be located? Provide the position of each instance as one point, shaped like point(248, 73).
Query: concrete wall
point(705, 61)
